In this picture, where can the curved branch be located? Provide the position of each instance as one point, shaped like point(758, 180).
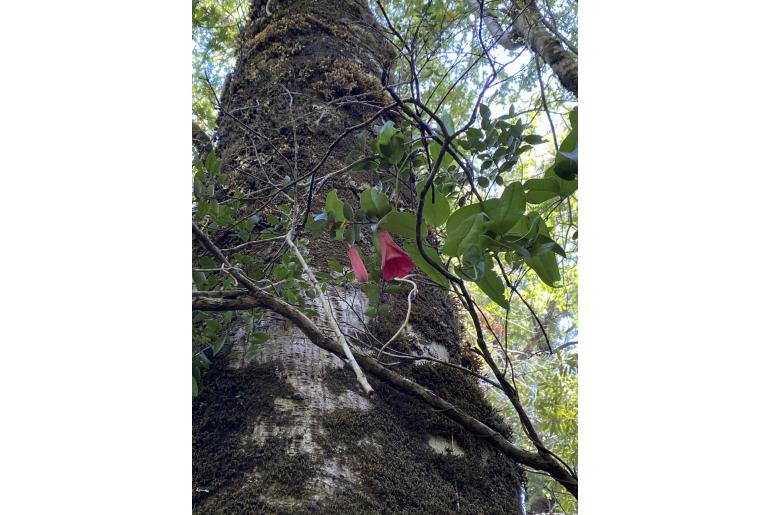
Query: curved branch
point(262, 299)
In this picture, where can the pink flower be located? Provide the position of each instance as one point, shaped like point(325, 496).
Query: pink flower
point(395, 261)
point(359, 270)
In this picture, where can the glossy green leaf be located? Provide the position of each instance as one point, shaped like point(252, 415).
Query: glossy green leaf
point(491, 284)
point(318, 224)
point(458, 227)
point(401, 223)
point(435, 149)
point(336, 206)
point(375, 203)
point(393, 151)
point(540, 190)
point(485, 112)
point(472, 265)
point(446, 119)
point(533, 139)
point(471, 238)
point(219, 343)
point(566, 187)
point(423, 264)
point(436, 206)
point(546, 267)
point(505, 211)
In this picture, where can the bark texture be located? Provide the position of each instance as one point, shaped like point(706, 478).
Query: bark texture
point(528, 28)
point(290, 430)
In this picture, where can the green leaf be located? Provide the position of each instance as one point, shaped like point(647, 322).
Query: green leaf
point(198, 187)
point(218, 344)
point(318, 224)
point(474, 137)
point(368, 164)
point(352, 233)
point(455, 227)
point(485, 114)
point(499, 153)
point(505, 211)
point(336, 206)
point(423, 264)
point(436, 206)
point(386, 132)
point(491, 284)
point(466, 231)
point(540, 190)
point(546, 267)
point(522, 149)
point(446, 119)
point(372, 291)
point(533, 139)
point(335, 266)
point(194, 387)
point(259, 338)
point(566, 187)
point(394, 149)
point(473, 266)
point(482, 181)
point(212, 163)
point(401, 223)
point(484, 111)
point(434, 149)
point(566, 169)
point(375, 203)
point(472, 236)
point(572, 154)
point(571, 140)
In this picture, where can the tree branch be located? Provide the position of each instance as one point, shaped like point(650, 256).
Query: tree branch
point(262, 299)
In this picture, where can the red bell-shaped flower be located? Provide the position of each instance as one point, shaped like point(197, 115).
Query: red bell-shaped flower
point(359, 270)
point(396, 263)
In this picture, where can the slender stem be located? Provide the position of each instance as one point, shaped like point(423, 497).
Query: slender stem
point(330, 317)
point(545, 104)
point(406, 318)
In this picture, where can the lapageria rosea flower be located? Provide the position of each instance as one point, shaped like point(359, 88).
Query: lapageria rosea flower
point(396, 263)
point(359, 270)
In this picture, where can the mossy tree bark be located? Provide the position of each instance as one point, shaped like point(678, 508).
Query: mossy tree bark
point(290, 431)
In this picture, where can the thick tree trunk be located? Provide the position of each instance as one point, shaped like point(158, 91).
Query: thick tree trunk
point(290, 431)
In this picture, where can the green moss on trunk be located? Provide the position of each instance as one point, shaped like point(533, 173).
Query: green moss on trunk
point(231, 472)
point(387, 447)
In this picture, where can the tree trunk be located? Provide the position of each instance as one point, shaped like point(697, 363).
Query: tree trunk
point(290, 431)
point(528, 28)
